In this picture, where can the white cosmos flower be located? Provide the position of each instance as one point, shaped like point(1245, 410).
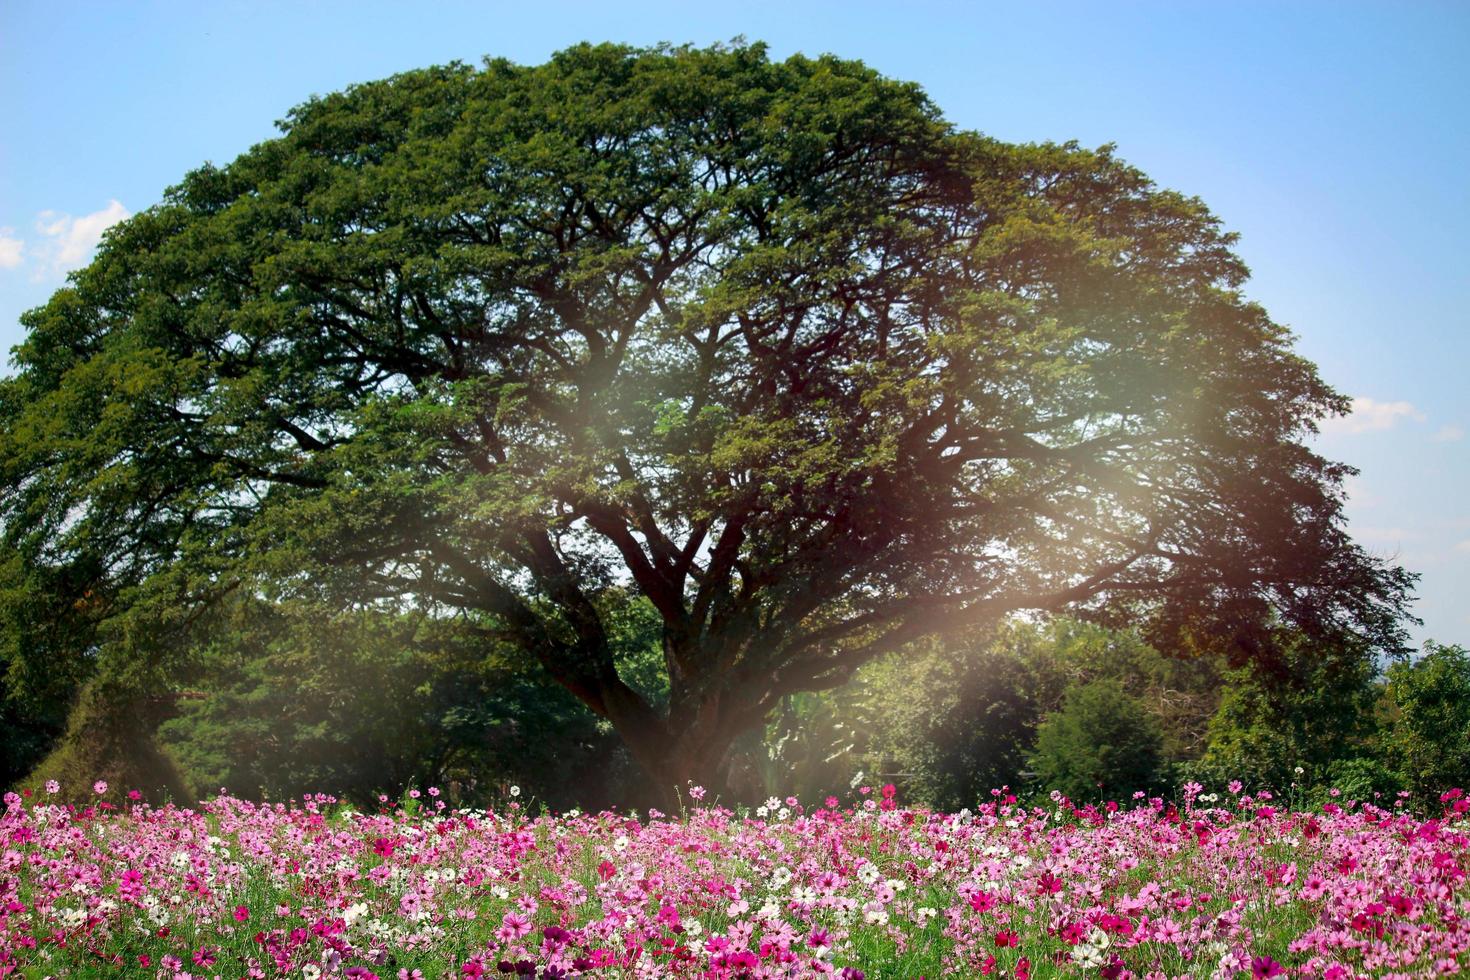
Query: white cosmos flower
point(1087, 956)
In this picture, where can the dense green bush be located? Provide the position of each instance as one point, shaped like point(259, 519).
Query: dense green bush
point(1102, 744)
point(111, 737)
point(1428, 702)
point(954, 722)
point(948, 723)
point(1358, 777)
point(290, 701)
point(1302, 707)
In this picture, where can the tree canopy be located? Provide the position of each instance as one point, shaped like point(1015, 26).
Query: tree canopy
point(770, 343)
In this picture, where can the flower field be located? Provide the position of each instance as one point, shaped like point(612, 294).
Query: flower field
point(1225, 885)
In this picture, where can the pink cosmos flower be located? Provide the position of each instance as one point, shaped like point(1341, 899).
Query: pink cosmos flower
point(1264, 967)
point(99, 787)
point(513, 927)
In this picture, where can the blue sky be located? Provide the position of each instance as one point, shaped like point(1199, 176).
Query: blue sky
point(1333, 136)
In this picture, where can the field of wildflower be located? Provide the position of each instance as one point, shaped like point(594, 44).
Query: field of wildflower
point(1217, 885)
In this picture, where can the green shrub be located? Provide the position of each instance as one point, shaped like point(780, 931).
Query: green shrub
point(1301, 705)
point(1102, 744)
point(1359, 778)
point(110, 736)
point(290, 701)
point(1429, 707)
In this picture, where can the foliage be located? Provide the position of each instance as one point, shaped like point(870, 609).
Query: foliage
point(1358, 777)
point(814, 371)
point(46, 654)
point(294, 699)
point(1429, 733)
point(110, 735)
point(953, 723)
point(950, 722)
point(29, 734)
point(1308, 707)
point(1103, 743)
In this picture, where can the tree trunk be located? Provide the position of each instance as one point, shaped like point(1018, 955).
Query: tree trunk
point(675, 756)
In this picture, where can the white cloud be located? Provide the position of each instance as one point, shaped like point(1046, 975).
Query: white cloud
point(10, 249)
point(1448, 433)
point(1372, 416)
point(1463, 546)
point(70, 241)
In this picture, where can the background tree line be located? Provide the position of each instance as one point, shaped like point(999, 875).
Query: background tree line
point(293, 700)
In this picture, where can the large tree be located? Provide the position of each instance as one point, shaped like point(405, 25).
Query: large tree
point(771, 343)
